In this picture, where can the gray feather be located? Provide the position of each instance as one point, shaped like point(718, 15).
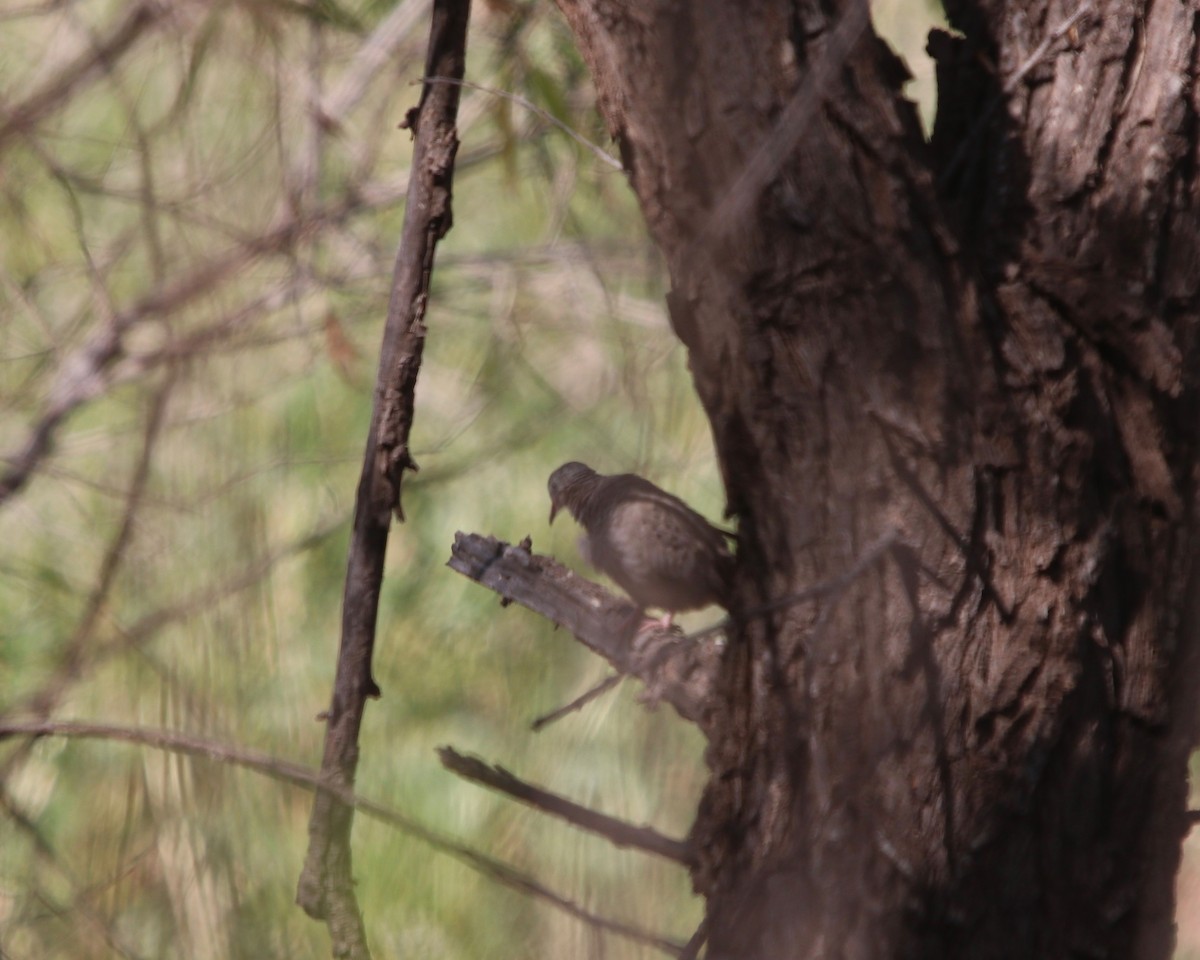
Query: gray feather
point(653, 545)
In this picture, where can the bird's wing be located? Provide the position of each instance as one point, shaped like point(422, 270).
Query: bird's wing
point(653, 543)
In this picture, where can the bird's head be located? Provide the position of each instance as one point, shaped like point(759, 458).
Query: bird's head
point(568, 485)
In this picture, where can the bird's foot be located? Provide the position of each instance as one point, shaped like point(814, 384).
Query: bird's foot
point(651, 624)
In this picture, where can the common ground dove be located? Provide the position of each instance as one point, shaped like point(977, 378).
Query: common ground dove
point(658, 549)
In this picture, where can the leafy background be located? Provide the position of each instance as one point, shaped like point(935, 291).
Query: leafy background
point(221, 198)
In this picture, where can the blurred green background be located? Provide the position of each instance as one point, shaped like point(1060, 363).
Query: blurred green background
point(218, 189)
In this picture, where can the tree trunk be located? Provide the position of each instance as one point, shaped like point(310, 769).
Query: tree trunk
point(986, 344)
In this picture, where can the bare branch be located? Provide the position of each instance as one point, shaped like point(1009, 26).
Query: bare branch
point(297, 775)
point(673, 667)
point(81, 637)
point(326, 886)
point(578, 703)
point(618, 832)
point(1043, 49)
point(596, 150)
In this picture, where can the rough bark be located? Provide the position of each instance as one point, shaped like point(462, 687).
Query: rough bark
point(989, 344)
point(676, 670)
point(325, 890)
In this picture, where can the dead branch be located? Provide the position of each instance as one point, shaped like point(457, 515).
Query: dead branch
point(618, 832)
point(297, 775)
point(673, 667)
point(326, 886)
point(581, 701)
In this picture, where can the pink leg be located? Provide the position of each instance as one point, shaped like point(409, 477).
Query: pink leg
point(655, 623)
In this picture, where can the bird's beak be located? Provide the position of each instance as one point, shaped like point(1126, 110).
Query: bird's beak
point(553, 510)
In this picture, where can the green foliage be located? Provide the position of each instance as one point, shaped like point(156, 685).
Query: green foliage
point(185, 571)
point(223, 524)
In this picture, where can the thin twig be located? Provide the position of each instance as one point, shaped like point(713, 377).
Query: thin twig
point(300, 776)
point(105, 360)
point(578, 703)
point(834, 585)
point(85, 374)
point(603, 155)
point(692, 949)
point(1042, 49)
point(1040, 52)
point(618, 832)
point(769, 157)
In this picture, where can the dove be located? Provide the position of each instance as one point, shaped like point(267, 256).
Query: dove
point(653, 545)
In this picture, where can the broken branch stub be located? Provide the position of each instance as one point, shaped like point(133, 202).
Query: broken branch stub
point(673, 668)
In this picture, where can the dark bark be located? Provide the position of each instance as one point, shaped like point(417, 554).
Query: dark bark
point(989, 344)
point(326, 887)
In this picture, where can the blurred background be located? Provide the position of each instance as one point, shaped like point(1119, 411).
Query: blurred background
point(199, 210)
